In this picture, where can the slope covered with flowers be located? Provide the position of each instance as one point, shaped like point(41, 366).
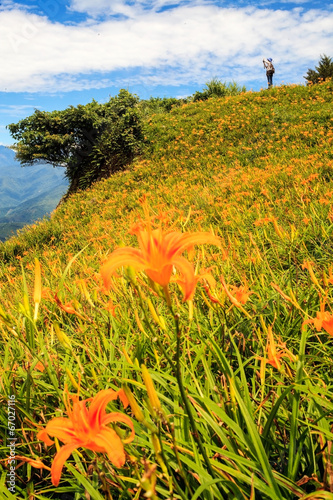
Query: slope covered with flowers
point(218, 334)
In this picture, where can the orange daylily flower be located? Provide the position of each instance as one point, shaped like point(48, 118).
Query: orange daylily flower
point(47, 293)
point(157, 254)
point(68, 308)
point(260, 222)
point(309, 266)
point(111, 307)
point(39, 366)
point(87, 428)
point(241, 293)
point(323, 320)
point(213, 299)
point(233, 299)
point(238, 295)
point(273, 355)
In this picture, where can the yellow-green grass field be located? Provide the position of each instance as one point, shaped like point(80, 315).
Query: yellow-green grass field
point(225, 376)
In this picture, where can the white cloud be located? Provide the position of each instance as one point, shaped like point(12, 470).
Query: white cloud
point(103, 7)
point(9, 4)
point(128, 8)
point(190, 43)
point(15, 109)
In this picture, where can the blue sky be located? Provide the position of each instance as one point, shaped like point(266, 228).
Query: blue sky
point(56, 53)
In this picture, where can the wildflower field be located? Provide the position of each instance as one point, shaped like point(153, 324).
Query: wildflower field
point(168, 334)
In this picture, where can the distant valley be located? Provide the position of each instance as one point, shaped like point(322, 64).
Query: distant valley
point(27, 193)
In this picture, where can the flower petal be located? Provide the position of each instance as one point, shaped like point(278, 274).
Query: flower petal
point(161, 276)
point(42, 436)
point(109, 440)
point(119, 417)
point(122, 257)
point(176, 243)
point(188, 280)
point(328, 324)
point(99, 403)
point(59, 427)
point(59, 460)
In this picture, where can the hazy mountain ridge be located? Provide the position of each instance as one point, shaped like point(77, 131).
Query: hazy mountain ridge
point(27, 193)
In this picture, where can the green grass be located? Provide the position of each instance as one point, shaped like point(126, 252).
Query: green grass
point(257, 170)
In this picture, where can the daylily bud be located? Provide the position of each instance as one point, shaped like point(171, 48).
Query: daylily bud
point(37, 288)
point(72, 379)
point(153, 312)
point(152, 395)
point(133, 404)
point(128, 359)
point(62, 337)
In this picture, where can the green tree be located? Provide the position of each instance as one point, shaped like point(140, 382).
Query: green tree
point(322, 72)
point(91, 141)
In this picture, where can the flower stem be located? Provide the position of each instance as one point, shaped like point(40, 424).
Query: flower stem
point(195, 432)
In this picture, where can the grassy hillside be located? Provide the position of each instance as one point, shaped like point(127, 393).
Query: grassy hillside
point(242, 373)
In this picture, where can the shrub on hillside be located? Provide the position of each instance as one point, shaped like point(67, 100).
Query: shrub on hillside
point(216, 88)
point(91, 141)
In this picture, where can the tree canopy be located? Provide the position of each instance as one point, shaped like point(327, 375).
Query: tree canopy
point(91, 141)
point(322, 72)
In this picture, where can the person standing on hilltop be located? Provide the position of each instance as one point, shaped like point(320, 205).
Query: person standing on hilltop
point(270, 70)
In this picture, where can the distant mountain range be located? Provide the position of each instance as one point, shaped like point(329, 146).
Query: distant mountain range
point(27, 193)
